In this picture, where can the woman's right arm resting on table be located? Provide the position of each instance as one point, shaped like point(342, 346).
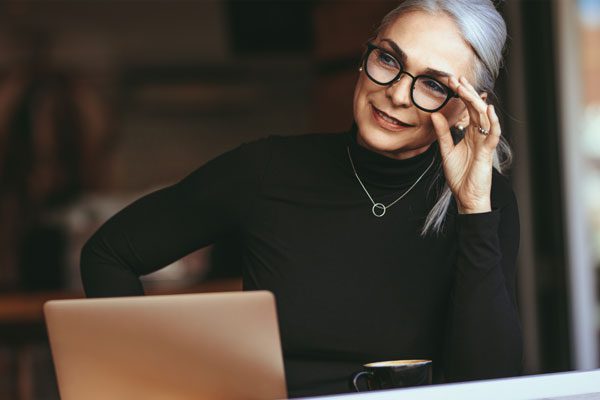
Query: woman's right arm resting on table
point(165, 225)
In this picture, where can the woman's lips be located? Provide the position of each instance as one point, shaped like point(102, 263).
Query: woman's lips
point(387, 122)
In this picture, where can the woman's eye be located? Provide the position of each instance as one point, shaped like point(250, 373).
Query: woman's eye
point(387, 60)
point(434, 86)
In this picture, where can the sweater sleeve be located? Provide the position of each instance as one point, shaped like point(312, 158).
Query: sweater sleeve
point(170, 223)
point(483, 338)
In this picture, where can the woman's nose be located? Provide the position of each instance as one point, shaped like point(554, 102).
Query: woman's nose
point(399, 91)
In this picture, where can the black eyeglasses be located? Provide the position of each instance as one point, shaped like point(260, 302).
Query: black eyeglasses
point(426, 93)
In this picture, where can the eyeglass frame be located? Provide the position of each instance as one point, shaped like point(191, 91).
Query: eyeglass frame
point(371, 47)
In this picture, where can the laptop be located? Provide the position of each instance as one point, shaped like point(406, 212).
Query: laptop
point(185, 346)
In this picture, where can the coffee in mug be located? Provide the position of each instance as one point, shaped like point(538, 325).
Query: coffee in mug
point(393, 374)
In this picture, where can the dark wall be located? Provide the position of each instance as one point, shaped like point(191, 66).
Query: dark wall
point(551, 273)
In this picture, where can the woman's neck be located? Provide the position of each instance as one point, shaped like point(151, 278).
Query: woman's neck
point(395, 154)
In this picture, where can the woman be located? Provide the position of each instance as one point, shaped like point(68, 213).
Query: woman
point(393, 240)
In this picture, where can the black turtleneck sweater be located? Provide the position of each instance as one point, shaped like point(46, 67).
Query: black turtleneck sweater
point(350, 288)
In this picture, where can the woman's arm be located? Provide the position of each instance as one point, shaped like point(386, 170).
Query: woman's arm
point(483, 337)
point(166, 225)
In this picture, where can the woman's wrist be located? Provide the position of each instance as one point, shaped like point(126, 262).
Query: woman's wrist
point(474, 208)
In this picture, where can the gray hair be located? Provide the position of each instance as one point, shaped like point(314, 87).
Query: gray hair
point(483, 28)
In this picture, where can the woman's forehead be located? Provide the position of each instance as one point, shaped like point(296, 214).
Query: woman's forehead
point(430, 41)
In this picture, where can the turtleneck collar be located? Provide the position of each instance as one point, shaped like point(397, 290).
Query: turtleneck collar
point(376, 169)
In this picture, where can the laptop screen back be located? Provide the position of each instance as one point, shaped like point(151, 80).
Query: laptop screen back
point(191, 346)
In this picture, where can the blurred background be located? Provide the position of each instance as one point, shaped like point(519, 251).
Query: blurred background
point(102, 101)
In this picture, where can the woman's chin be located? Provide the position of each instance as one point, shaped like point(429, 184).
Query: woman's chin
point(392, 145)
point(380, 140)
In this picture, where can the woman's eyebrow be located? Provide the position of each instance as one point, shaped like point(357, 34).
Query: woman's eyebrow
point(398, 52)
point(431, 71)
point(402, 56)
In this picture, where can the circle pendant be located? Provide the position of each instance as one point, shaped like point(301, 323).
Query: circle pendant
point(378, 210)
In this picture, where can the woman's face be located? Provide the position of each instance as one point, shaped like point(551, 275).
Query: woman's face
point(428, 42)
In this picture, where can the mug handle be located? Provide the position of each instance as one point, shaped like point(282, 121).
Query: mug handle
point(355, 378)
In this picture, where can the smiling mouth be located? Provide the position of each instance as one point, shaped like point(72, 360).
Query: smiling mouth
point(389, 119)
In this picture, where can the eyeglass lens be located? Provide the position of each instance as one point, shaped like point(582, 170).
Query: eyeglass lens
point(427, 92)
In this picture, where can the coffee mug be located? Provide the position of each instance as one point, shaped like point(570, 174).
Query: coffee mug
point(393, 374)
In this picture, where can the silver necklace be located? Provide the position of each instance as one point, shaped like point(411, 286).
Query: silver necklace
point(379, 209)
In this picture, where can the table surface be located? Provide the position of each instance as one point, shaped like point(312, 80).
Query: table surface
point(572, 385)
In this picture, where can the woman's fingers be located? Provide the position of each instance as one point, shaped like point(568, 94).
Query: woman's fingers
point(480, 124)
point(495, 132)
point(467, 93)
point(442, 130)
point(471, 96)
point(476, 107)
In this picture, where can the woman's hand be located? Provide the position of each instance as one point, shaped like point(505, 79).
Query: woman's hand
point(468, 164)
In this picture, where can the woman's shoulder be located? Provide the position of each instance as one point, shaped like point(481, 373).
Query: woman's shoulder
point(297, 142)
point(275, 151)
point(302, 156)
point(297, 149)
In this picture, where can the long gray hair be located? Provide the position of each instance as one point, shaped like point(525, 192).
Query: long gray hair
point(484, 30)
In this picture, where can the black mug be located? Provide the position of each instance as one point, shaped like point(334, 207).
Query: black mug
point(393, 374)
